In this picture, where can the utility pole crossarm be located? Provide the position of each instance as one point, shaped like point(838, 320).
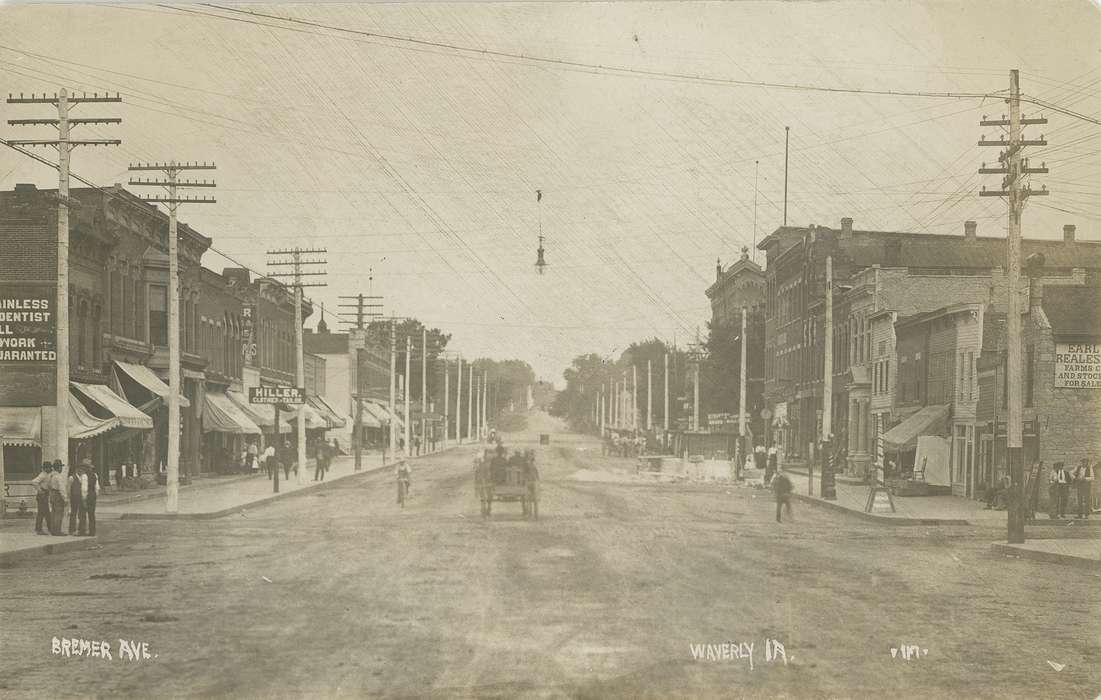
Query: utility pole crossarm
point(72, 122)
point(56, 97)
point(71, 142)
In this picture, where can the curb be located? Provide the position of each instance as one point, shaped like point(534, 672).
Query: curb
point(68, 545)
point(882, 519)
point(1024, 553)
point(266, 499)
point(252, 504)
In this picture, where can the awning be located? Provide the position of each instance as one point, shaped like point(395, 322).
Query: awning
point(368, 417)
point(334, 419)
point(223, 416)
point(262, 415)
point(83, 425)
point(128, 416)
point(314, 420)
point(930, 420)
point(21, 426)
point(149, 381)
point(384, 414)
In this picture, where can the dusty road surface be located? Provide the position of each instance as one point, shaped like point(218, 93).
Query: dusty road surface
point(612, 594)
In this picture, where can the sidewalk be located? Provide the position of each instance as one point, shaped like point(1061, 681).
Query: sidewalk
point(1085, 553)
point(913, 510)
point(235, 495)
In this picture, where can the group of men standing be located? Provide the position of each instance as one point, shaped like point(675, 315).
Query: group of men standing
point(53, 494)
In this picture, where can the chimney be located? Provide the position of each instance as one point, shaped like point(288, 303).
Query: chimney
point(718, 269)
point(1068, 233)
point(969, 228)
point(846, 226)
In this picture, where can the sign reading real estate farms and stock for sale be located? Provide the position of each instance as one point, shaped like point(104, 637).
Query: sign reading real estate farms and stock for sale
point(1077, 366)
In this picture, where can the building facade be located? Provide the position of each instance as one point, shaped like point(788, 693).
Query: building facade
point(118, 314)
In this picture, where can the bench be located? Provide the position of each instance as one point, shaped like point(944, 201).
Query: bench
point(19, 498)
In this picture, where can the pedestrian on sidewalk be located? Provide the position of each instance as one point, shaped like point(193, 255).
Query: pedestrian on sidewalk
point(287, 458)
point(1083, 480)
point(41, 485)
point(782, 488)
point(252, 457)
point(269, 460)
point(88, 493)
point(57, 499)
point(321, 461)
point(77, 486)
point(1060, 482)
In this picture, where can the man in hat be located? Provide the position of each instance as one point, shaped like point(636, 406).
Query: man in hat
point(57, 499)
point(89, 490)
point(41, 485)
point(76, 499)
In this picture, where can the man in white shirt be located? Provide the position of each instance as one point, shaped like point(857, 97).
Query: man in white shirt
point(269, 459)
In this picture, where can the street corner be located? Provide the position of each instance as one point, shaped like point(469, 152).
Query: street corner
point(1079, 553)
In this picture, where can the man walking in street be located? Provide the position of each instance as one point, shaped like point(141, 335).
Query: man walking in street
point(57, 500)
point(1083, 479)
point(41, 485)
point(321, 461)
point(782, 488)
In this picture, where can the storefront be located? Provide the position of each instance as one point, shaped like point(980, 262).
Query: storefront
point(226, 430)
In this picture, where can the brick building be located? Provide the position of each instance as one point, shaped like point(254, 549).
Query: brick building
point(879, 277)
point(118, 327)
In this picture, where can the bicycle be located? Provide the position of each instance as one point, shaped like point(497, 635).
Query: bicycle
point(403, 490)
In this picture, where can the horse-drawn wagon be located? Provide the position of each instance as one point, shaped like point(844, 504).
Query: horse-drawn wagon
point(498, 477)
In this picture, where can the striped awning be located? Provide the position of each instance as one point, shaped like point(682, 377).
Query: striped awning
point(128, 416)
point(83, 425)
point(262, 415)
point(223, 416)
point(314, 420)
point(149, 381)
point(331, 416)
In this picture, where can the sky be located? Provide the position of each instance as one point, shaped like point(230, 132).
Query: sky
point(409, 139)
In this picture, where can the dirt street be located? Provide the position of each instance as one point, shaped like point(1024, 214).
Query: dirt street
point(612, 593)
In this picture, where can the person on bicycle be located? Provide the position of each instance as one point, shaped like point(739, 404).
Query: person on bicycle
point(405, 478)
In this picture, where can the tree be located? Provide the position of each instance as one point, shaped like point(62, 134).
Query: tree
point(378, 334)
point(589, 374)
point(720, 373)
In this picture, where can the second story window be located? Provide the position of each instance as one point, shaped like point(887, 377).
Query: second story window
point(158, 315)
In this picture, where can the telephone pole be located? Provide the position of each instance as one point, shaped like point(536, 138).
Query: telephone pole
point(446, 399)
point(297, 263)
point(740, 456)
point(362, 311)
point(649, 394)
point(826, 487)
point(485, 389)
point(405, 395)
point(470, 402)
point(391, 408)
point(1014, 168)
point(171, 182)
point(64, 144)
point(424, 388)
point(459, 403)
point(634, 397)
point(665, 412)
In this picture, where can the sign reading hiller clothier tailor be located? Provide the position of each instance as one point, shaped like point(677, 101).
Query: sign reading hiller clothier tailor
point(1077, 366)
point(277, 394)
point(26, 327)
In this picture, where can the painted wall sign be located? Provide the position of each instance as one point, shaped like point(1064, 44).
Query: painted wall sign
point(1077, 366)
